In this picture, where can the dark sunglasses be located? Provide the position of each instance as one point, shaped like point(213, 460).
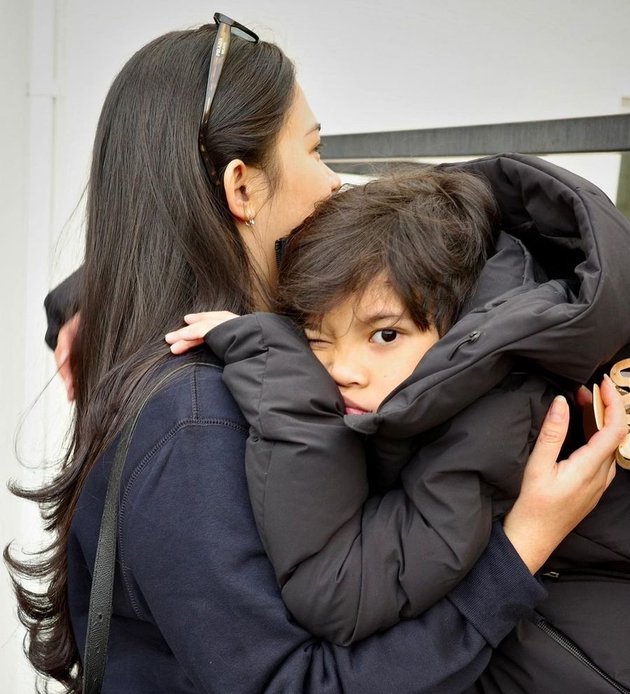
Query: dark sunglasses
point(225, 27)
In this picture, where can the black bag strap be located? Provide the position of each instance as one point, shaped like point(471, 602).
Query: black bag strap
point(101, 594)
point(100, 612)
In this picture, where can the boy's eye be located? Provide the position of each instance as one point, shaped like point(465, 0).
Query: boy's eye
point(385, 336)
point(315, 341)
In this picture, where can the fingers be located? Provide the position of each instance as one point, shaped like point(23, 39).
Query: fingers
point(198, 325)
point(584, 397)
point(186, 338)
point(552, 434)
point(65, 372)
point(196, 317)
point(181, 346)
point(615, 411)
point(214, 317)
point(195, 332)
point(594, 463)
point(555, 497)
point(612, 471)
point(62, 353)
point(65, 338)
point(605, 441)
point(591, 406)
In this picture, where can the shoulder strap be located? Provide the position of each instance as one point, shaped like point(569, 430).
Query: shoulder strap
point(100, 612)
point(101, 594)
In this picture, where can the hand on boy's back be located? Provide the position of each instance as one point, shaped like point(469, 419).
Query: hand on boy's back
point(198, 325)
point(65, 339)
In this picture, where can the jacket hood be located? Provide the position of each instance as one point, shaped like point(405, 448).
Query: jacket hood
point(554, 294)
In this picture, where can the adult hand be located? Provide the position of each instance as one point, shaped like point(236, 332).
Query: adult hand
point(198, 325)
point(556, 496)
point(63, 350)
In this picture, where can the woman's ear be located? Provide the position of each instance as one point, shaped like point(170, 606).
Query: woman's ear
point(242, 187)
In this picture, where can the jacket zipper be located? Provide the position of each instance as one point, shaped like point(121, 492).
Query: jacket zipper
point(471, 338)
point(568, 645)
point(583, 574)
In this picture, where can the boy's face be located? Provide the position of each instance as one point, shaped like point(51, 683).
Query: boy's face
point(369, 346)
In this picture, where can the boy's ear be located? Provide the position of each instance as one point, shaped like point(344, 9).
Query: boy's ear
point(242, 187)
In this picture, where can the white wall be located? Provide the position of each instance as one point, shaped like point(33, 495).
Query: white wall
point(14, 47)
point(368, 66)
point(364, 65)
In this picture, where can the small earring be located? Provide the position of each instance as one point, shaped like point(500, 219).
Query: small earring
point(251, 222)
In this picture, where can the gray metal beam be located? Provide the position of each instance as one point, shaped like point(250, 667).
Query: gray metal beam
point(595, 134)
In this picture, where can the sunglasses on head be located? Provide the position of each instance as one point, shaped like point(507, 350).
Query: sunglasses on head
point(225, 28)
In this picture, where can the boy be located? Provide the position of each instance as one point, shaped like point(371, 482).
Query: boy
point(361, 536)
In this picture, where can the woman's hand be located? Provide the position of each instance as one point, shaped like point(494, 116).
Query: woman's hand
point(65, 339)
point(556, 496)
point(198, 325)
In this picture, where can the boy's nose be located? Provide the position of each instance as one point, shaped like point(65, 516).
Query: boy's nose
point(346, 372)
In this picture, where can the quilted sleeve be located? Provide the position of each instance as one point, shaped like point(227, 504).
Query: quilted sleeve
point(349, 565)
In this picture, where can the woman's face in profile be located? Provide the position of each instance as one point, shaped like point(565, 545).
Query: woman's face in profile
point(304, 178)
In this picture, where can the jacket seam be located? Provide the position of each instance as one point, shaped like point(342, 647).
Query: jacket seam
point(194, 395)
point(259, 409)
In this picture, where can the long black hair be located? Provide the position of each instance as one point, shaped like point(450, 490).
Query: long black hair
point(160, 243)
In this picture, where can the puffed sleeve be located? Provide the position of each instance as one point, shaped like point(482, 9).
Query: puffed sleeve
point(348, 565)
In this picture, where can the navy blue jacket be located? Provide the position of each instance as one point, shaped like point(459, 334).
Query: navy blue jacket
point(196, 605)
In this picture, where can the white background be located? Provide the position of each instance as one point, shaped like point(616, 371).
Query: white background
point(364, 66)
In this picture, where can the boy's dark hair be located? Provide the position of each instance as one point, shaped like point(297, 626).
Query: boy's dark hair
point(428, 231)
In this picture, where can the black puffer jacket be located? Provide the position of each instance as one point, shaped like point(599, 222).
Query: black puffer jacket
point(472, 407)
